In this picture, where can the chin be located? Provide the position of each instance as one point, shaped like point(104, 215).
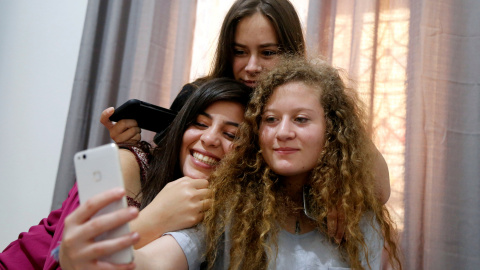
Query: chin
point(197, 175)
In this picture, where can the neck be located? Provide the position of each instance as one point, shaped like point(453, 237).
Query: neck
point(294, 185)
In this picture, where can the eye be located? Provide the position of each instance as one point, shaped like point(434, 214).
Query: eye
point(269, 119)
point(200, 124)
point(301, 119)
point(230, 136)
point(269, 53)
point(238, 52)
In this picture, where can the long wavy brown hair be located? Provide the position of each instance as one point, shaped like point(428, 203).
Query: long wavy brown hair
point(284, 19)
point(248, 195)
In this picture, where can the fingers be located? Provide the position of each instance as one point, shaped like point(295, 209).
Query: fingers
point(107, 222)
point(104, 117)
point(204, 193)
point(94, 204)
point(196, 183)
point(332, 222)
point(340, 226)
point(125, 130)
point(108, 247)
point(336, 223)
point(206, 204)
point(109, 266)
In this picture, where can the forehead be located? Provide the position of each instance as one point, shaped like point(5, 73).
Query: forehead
point(228, 110)
point(294, 93)
point(257, 28)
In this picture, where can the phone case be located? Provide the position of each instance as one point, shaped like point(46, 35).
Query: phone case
point(97, 170)
point(148, 116)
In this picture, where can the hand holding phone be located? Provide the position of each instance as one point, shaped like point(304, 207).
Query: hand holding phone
point(79, 250)
point(98, 170)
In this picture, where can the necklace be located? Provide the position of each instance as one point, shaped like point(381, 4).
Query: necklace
point(297, 227)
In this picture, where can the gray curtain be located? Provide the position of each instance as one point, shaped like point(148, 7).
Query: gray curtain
point(442, 165)
point(130, 49)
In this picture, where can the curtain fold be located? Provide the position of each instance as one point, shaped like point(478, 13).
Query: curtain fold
point(442, 180)
point(416, 66)
point(129, 49)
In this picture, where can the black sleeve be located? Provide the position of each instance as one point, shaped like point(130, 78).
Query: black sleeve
point(182, 97)
point(177, 105)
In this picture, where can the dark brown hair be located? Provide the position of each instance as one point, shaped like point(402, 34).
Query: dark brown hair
point(165, 164)
point(282, 15)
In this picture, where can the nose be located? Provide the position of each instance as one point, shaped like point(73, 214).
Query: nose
point(211, 137)
point(253, 65)
point(285, 130)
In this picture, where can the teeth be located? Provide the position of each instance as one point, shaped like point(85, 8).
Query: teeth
point(205, 159)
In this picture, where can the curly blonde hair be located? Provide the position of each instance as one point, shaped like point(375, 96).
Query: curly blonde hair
point(247, 193)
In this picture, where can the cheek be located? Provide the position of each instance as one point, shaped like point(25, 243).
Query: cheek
point(318, 142)
point(237, 67)
point(271, 63)
point(189, 137)
point(264, 137)
point(183, 150)
point(227, 147)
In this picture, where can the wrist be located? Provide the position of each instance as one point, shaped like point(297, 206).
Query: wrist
point(147, 225)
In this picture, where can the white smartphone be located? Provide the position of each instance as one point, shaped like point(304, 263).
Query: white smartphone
point(98, 170)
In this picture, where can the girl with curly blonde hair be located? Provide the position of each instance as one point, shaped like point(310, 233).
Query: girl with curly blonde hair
point(302, 152)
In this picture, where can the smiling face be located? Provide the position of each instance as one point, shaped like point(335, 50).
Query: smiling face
point(255, 49)
point(209, 138)
point(292, 130)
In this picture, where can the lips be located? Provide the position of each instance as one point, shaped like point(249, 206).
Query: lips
point(205, 159)
point(250, 83)
point(285, 150)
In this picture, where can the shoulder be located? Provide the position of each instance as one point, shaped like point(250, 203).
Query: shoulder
point(192, 242)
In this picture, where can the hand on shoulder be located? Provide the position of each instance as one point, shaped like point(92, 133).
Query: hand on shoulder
point(123, 131)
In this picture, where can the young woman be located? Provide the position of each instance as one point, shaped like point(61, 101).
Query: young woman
point(253, 36)
point(301, 152)
point(199, 137)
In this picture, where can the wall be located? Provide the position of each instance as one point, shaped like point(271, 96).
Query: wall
point(39, 45)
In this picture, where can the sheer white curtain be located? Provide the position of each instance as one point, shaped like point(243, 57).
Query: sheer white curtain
point(416, 63)
point(369, 40)
point(442, 180)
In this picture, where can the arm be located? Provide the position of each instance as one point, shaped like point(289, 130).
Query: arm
point(382, 177)
point(163, 253)
point(32, 249)
point(180, 204)
point(124, 131)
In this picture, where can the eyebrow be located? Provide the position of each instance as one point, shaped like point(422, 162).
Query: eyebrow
point(230, 123)
point(261, 46)
point(296, 110)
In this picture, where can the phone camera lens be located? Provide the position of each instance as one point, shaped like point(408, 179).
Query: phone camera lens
point(84, 156)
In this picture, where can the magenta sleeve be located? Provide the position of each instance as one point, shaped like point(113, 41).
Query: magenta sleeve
point(32, 249)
